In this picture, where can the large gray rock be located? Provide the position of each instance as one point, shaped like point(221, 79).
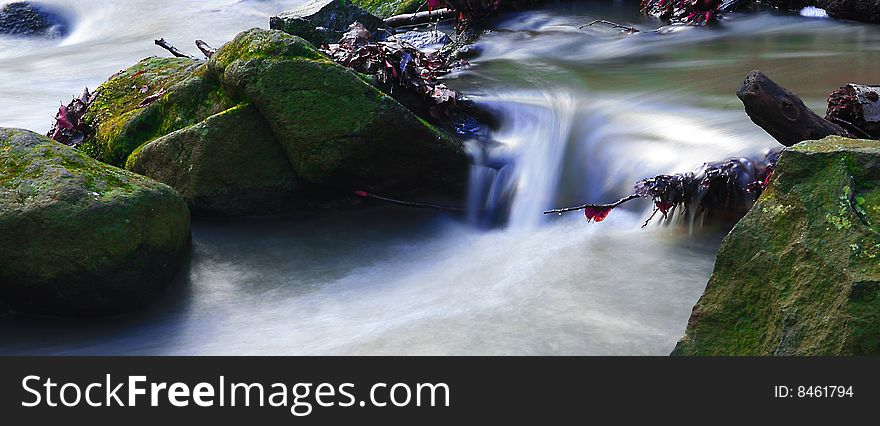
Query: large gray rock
point(79, 237)
point(324, 21)
point(424, 40)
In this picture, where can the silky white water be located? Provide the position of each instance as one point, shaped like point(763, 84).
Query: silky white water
point(584, 114)
point(106, 36)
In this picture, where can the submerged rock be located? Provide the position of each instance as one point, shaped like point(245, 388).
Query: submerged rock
point(324, 21)
point(80, 237)
point(25, 19)
point(235, 133)
point(800, 273)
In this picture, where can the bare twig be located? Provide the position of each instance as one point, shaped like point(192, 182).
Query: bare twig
point(174, 51)
point(850, 126)
point(594, 206)
point(650, 218)
point(414, 204)
point(207, 50)
point(630, 30)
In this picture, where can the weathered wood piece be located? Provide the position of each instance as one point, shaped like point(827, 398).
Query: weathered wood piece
point(174, 51)
point(781, 113)
point(206, 49)
point(420, 18)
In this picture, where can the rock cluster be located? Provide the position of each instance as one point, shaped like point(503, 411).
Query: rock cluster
point(267, 124)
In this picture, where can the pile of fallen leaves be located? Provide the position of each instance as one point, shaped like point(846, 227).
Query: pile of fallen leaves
point(726, 187)
point(691, 12)
point(397, 64)
point(68, 127)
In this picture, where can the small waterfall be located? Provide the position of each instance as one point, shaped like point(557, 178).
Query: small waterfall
point(516, 172)
point(541, 147)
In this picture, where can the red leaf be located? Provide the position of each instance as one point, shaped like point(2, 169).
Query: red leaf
point(597, 214)
point(767, 180)
point(663, 206)
point(62, 120)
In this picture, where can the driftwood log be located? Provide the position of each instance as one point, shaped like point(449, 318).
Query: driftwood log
point(781, 113)
point(207, 50)
point(420, 18)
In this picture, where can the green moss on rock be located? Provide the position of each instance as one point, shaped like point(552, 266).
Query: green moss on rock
point(386, 8)
point(253, 49)
point(800, 273)
point(80, 237)
point(227, 164)
point(121, 119)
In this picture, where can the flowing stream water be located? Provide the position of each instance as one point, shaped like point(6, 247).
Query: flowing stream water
point(585, 112)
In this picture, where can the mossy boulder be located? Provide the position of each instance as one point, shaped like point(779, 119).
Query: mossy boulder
point(150, 99)
point(386, 8)
point(325, 21)
point(338, 131)
point(79, 237)
point(228, 164)
point(800, 273)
